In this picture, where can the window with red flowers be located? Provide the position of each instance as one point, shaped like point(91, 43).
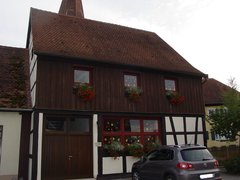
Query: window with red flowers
point(83, 83)
point(131, 130)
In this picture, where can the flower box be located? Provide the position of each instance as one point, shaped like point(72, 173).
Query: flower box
point(174, 98)
point(133, 93)
point(84, 90)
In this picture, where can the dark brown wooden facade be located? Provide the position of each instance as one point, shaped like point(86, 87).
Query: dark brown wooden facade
point(55, 89)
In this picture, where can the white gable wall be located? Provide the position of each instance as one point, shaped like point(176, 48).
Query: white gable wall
point(11, 122)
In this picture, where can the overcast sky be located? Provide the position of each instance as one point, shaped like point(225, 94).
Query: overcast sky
point(205, 32)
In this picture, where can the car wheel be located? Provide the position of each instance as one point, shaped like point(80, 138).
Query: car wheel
point(170, 177)
point(135, 175)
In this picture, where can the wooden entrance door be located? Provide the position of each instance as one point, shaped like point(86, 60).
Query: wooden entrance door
point(67, 148)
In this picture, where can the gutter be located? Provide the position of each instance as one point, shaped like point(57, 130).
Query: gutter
point(204, 79)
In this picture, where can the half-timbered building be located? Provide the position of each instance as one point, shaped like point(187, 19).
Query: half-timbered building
point(94, 85)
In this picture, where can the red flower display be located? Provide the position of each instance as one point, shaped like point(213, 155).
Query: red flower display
point(174, 98)
point(84, 91)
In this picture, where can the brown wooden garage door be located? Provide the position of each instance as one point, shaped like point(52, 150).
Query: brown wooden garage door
point(67, 148)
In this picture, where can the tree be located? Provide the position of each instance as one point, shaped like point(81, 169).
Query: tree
point(225, 120)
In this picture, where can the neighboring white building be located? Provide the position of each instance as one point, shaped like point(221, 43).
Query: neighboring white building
point(14, 113)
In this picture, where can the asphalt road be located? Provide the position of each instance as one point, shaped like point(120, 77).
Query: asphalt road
point(225, 176)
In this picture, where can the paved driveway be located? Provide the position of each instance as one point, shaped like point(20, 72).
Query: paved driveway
point(229, 177)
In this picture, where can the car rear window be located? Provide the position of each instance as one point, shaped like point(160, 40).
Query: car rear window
point(196, 154)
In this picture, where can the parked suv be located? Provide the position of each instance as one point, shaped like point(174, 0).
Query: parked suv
point(179, 162)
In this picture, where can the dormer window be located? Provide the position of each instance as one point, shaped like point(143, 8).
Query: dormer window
point(130, 80)
point(170, 85)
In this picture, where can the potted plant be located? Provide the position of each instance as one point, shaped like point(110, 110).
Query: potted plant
point(174, 98)
point(150, 146)
point(133, 93)
point(114, 149)
point(84, 90)
point(135, 149)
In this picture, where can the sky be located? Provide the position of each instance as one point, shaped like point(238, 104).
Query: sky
point(205, 32)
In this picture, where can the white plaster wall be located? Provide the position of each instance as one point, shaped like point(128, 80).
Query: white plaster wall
point(190, 138)
point(33, 71)
point(111, 165)
point(181, 139)
point(200, 139)
point(200, 124)
point(11, 122)
point(30, 169)
point(168, 124)
point(130, 160)
point(170, 140)
point(191, 123)
point(179, 127)
point(178, 123)
point(40, 134)
point(95, 146)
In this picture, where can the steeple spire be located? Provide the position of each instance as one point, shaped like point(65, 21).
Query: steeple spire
point(72, 8)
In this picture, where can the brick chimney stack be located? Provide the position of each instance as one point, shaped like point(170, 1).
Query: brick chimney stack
point(72, 8)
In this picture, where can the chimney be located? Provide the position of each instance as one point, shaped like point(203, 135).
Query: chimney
point(72, 8)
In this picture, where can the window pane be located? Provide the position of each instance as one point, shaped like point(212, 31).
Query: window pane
point(130, 81)
point(132, 139)
point(170, 85)
point(195, 154)
point(150, 125)
point(163, 154)
point(79, 125)
point(111, 125)
point(55, 124)
point(81, 76)
point(132, 125)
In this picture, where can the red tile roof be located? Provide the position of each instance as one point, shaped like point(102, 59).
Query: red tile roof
point(213, 91)
point(60, 35)
point(14, 78)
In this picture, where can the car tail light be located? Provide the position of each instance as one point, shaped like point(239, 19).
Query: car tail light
point(216, 164)
point(184, 165)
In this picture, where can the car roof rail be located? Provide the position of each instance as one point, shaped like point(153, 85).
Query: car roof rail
point(177, 146)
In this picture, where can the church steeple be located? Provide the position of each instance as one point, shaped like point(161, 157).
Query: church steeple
point(72, 8)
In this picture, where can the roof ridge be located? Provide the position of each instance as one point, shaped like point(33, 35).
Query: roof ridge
point(96, 21)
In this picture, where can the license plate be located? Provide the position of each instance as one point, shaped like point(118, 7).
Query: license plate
point(205, 176)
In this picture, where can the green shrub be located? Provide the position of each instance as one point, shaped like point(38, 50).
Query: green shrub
point(233, 165)
point(135, 149)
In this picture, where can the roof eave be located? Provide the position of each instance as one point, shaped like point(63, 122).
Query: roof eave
point(15, 110)
point(130, 65)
